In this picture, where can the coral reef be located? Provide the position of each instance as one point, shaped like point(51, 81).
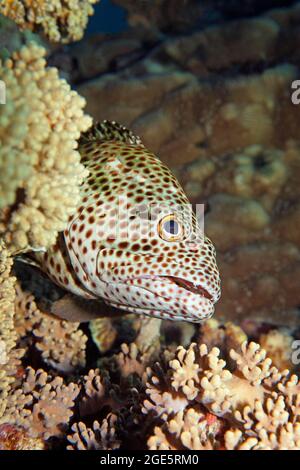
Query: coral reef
point(10, 356)
point(14, 438)
point(144, 393)
point(61, 20)
point(12, 39)
point(40, 166)
point(226, 125)
point(43, 406)
point(161, 15)
point(253, 407)
point(95, 438)
point(60, 344)
point(278, 343)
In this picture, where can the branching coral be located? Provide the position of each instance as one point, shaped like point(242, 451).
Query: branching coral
point(9, 356)
point(39, 125)
point(43, 406)
point(258, 405)
point(95, 393)
point(131, 360)
point(60, 343)
point(192, 429)
point(14, 438)
point(225, 337)
point(99, 437)
point(278, 344)
point(60, 20)
point(195, 400)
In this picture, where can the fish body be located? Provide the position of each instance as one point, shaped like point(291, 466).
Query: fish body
point(134, 242)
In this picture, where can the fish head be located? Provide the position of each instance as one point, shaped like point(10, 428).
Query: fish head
point(161, 268)
point(151, 256)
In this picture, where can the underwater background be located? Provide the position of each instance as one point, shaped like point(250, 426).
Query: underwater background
point(211, 88)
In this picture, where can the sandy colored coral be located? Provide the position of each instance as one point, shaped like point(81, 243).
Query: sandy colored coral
point(43, 405)
point(278, 344)
point(60, 343)
point(226, 125)
point(60, 21)
point(40, 123)
point(94, 392)
point(225, 337)
point(192, 429)
point(99, 437)
point(131, 360)
point(190, 399)
point(14, 438)
point(134, 357)
point(9, 355)
point(255, 398)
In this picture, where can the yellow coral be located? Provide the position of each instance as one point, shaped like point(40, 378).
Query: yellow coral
point(8, 336)
point(61, 21)
point(40, 124)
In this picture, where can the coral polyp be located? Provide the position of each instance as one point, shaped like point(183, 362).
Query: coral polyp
point(60, 20)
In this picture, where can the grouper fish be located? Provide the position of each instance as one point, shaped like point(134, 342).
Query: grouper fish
point(134, 241)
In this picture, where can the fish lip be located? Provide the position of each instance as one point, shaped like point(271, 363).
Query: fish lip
point(191, 287)
point(188, 285)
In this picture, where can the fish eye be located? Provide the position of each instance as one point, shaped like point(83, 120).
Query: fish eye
point(169, 228)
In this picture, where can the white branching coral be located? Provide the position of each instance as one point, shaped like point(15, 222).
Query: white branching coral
point(99, 437)
point(192, 429)
point(257, 405)
point(39, 128)
point(60, 20)
point(94, 393)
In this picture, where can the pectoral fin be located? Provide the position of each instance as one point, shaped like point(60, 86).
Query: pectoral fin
point(77, 309)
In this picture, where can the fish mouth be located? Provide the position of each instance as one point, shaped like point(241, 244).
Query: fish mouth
point(180, 282)
point(190, 287)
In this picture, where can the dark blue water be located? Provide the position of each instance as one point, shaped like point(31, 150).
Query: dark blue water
point(111, 18)
point(108, 18)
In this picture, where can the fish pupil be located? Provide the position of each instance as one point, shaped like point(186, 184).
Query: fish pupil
point(171, 227)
